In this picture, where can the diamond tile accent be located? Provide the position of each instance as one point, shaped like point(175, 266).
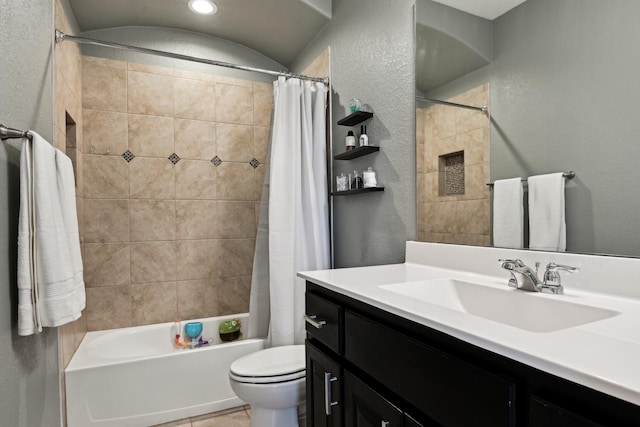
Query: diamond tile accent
point(254, 163)
point(216, 161)
point(174, 158)
point(128, 156)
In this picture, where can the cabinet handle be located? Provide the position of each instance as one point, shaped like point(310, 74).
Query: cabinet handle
point(385, 424)
point(318, 324)
point(328, 379)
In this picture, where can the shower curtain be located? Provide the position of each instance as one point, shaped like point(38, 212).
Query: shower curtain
point(293, 230)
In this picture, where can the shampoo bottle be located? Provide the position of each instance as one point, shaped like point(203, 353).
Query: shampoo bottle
point(350, 141)
point(364, 139)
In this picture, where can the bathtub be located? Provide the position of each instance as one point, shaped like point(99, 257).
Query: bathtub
point(137, 377)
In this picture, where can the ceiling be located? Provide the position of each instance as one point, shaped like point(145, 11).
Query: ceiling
point(487, 9)
point(279, 29)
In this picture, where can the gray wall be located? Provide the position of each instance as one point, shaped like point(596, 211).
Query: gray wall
point(29, 393)
point(564, 89)
point(372, 58)
point(185, 43)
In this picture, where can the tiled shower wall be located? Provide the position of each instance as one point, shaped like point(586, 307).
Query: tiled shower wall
point(173, 170)
point(442, 131)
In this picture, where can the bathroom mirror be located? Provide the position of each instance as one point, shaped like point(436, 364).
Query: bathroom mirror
point(562, 89)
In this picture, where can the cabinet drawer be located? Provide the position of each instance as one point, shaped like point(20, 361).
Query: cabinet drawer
point(448, 390)
point(323, 321)
point(543, 413)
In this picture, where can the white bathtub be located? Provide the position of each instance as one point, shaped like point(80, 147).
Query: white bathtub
point(136, 377)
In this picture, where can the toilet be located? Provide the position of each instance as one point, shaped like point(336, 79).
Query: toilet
point(272, 381)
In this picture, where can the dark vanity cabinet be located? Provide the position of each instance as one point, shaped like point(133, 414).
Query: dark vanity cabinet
point(368, 367)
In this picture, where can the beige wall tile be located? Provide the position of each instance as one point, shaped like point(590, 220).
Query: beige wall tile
point(236, 220)
point(151, 136)
point(152, 220)
point(152, 69)
point(195, 179)
point(153, 262)
point(262, 104)
point(233, 295)
point(421, 189)
point(198, 299)
point(195, 139)
point(105, 177)
point(105, 132)
point(106, 264)
point(236, 257)
point(153, 303)
point(474, 182)
point(194, 99)
point(196, 219)
point(471, 217)
point(104, 87)
point(235, 142)
point(234, 104)
point(473, 145)
point(235, 181)
point(194, 75)
point(152, 178)
point(197, 259)
point(261, 143)
point(150, 94)
point(108, 308)
point(103, 62)
point(106, 220)
point(235, 82)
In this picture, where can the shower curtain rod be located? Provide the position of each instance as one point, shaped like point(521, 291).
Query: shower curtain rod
point(484, 109)
point(60, 37)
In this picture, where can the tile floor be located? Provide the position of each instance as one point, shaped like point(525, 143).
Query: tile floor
point(235, 417)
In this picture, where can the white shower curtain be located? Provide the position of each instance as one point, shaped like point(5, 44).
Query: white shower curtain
point(293, 231)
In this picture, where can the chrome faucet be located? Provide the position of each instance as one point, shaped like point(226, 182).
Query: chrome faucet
point(525, 278)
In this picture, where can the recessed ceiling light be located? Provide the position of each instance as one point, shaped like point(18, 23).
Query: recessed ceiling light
point(202, 7)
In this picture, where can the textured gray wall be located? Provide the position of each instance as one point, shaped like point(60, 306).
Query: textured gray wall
point(29, 383)
point(372, 58)
point(185, 43)
point(564, 92)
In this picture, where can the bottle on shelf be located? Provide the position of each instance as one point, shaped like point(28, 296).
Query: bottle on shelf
point(364, 138)
point(350, 141)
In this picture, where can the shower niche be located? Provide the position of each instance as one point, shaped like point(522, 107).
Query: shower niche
point(353, 120)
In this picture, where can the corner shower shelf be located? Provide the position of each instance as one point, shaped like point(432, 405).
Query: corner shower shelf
point(357, 152)
point(355, 118)
point(358, 191)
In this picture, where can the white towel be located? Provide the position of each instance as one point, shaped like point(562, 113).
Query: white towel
point(508, 213)
point(50, 282)
point(547, 227)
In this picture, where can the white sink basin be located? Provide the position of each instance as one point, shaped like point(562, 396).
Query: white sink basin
point(520, 309)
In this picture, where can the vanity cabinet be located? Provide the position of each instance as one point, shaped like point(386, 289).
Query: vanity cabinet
point(391, 371)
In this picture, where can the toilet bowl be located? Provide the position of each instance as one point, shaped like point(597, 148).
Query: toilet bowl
point(272, 381)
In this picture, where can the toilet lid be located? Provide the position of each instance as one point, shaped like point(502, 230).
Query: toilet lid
point(272, 362)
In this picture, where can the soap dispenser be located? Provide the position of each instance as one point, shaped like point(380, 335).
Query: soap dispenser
point(364, 139)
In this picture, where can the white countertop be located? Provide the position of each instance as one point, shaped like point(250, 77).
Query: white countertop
point(603, 355)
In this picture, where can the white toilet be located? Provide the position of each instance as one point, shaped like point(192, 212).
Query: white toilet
point(272, 381)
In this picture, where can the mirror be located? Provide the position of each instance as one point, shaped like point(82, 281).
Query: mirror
point(562, 92)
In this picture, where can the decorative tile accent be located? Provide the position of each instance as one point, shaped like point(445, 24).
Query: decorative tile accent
point(452, 174)
point(216, 161)
point(254, 163)
point(128, 156)
point(174, 158)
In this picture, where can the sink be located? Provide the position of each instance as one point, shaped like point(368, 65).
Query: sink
point(520, 309)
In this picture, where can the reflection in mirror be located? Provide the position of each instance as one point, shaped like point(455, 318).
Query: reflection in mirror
point(562, 82)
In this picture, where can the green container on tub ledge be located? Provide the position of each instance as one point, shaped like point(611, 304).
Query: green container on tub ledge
point(230, 330)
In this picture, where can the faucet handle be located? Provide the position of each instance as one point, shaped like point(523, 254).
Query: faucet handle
point(552, 266)
point(509, 264)
point(551, 282)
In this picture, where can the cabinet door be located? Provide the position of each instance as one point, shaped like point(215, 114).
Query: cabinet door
point(324, 389)
point(543, 414)
point(449, 390)
point(366, 408)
